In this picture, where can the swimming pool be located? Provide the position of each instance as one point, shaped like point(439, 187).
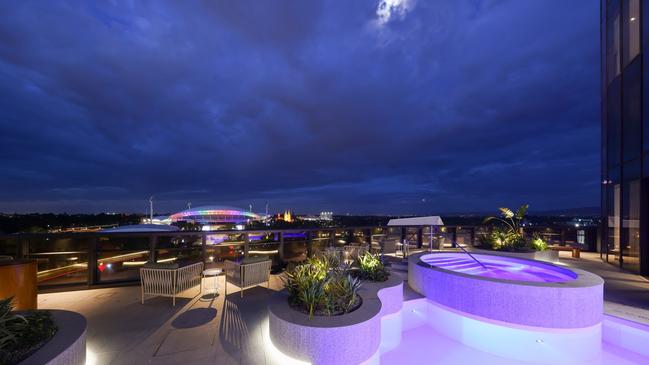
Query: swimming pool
point(499, 267)
point(509, 289)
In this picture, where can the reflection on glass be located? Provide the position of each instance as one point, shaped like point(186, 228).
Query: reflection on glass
point(295, 246)
point(55, 269)
point(613, 40)
point(631, 226)
point(9, 247)
point(215, 255)
point(613, 222)
point(120, 258)
point(61, 260)
point(120, 265)
point(180, 256)
point(632, 111)
point(614, 123)
point(631, 33)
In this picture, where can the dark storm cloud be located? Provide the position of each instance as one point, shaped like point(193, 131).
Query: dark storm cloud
point(434, 106)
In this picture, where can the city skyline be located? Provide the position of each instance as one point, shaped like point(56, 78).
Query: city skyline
point(421, 107)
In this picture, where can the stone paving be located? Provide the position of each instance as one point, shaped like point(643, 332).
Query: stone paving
point(199, 330)
point(232, 330)
point(626, 295)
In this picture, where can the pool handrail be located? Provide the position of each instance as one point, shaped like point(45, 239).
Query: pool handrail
point(468, 253)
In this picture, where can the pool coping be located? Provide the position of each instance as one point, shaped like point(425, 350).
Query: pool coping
point(584, 278)
point(572, 304)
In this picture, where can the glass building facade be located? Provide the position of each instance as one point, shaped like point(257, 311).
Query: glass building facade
point(625, 133)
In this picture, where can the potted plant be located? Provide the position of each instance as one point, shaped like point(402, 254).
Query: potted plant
point(507, 238)
point(327, 302)
point(508, 234)
point(322, 286)
point(21, 334)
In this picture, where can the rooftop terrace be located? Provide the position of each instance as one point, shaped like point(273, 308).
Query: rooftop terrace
point(233, 330)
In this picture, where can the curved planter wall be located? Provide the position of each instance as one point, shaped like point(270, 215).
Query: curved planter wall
point(351, 338)
point(68, 346)
point(572, 304)
point(547, 255)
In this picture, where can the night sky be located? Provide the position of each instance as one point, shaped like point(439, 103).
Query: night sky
point(420, 107)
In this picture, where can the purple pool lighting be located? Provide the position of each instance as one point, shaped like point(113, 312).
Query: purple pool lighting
point(500, 267)
point(509, 289)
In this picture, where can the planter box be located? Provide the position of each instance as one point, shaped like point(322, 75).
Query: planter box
point(68, 346)
point(351, 338)
point(547, 255)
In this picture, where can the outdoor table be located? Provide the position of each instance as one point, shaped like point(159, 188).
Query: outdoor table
point(215, 273)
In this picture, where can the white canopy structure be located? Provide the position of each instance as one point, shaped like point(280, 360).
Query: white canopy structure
point(433, 220)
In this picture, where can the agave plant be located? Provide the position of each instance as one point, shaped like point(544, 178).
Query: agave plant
point(322, 284)
point(11, 324)
point(334, 260)
point(371, 267)
point(344, 290)
point(312, 294)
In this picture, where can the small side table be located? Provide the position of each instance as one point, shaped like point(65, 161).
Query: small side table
point(215, 273)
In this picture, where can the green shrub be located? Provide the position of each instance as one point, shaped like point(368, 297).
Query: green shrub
point(370, 267)
point(538, 243)
point(322, 285)
point(22, 334)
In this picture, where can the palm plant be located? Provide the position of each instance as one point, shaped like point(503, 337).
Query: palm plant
point(509, 235)
point(512, 220)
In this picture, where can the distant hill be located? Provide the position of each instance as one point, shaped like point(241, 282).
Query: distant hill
point(572, 212)
point(583, 211)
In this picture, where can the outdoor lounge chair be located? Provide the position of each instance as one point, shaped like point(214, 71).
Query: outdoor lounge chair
point(168, 280)
point(248, 273)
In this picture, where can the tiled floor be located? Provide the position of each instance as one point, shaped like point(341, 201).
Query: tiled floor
point(197, 330)
point(626, 295)
point(203, 330)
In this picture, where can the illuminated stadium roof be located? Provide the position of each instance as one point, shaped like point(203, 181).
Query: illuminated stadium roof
point(211, 214)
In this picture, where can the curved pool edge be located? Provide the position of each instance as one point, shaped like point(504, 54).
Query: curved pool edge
point(329, 340)
point(576, 303)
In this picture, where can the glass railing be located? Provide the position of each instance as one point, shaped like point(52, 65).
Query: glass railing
point(96, 258)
